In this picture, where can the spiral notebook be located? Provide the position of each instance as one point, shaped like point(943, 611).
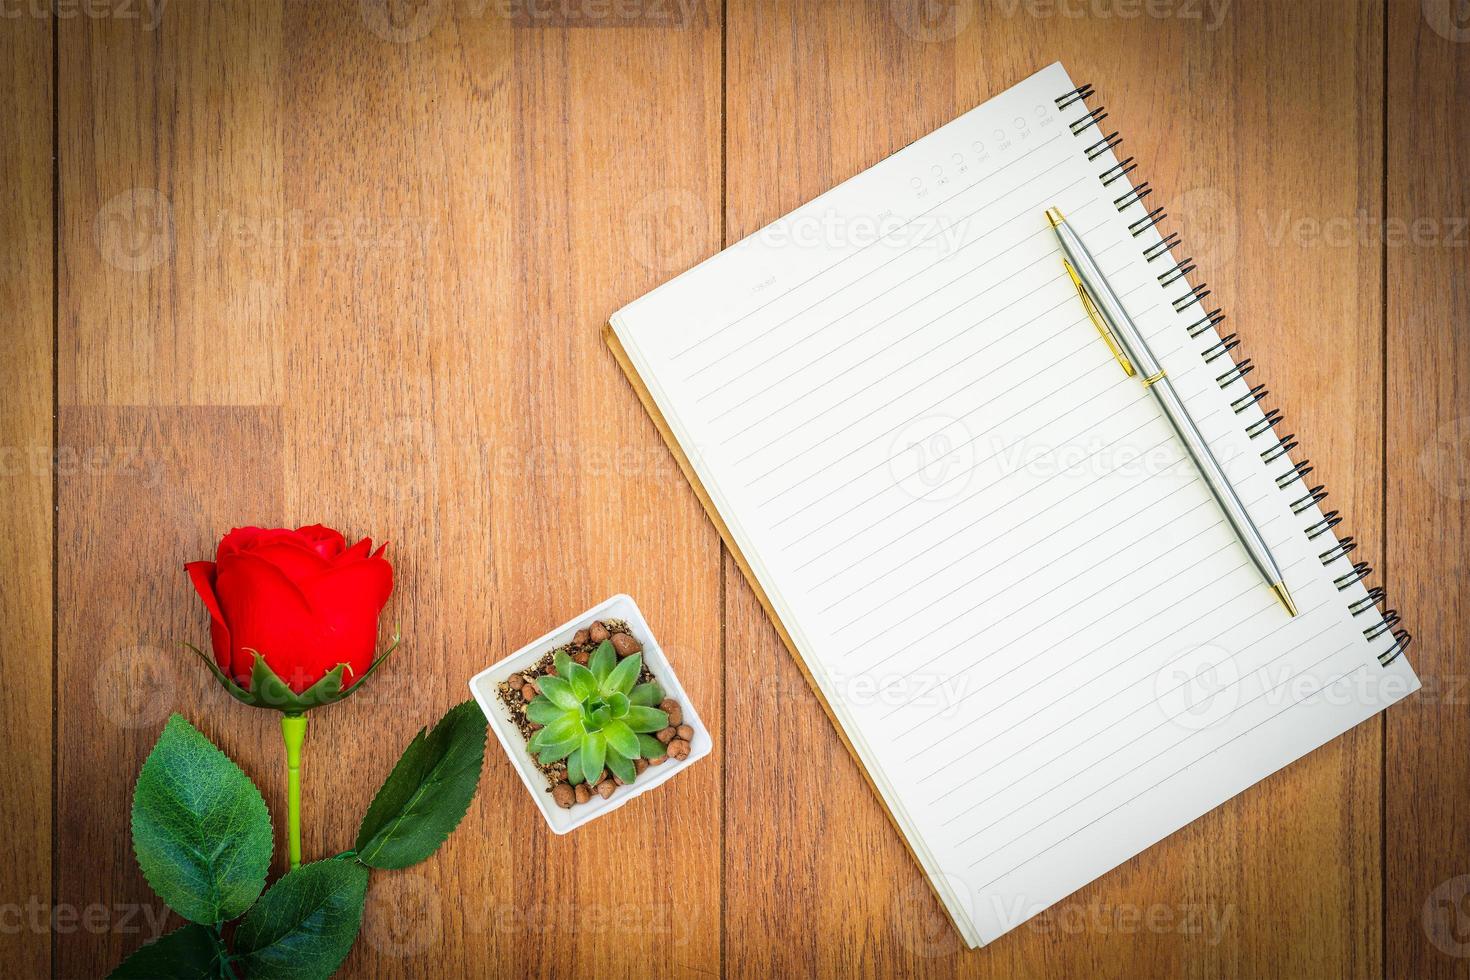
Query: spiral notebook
point(995, 563)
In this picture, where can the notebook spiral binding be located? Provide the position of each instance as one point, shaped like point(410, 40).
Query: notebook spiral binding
point(1332, 550)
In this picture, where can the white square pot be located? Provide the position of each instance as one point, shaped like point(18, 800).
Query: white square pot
point(483, 687)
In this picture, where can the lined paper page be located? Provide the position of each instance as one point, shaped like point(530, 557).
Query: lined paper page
point(1009, 581)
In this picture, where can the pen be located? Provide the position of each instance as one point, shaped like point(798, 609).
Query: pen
point(1132, 353)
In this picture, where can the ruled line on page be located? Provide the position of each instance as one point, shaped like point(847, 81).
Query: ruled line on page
point(1091, 681)
point(1182, 768)
point(1053, 618)
point(1111, 612)
point(1037, 767)
point(1082, 574)
point(1006, 250)
point(990, 515)
point(807, 365)
point(967, 188)
point(1121, 747)
point(826, 468)
point(949, 763)
point(1085, 516)
point(960, 501)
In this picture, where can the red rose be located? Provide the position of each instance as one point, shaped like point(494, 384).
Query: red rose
point(302, 598)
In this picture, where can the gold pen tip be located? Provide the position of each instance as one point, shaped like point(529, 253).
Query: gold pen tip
point(1280, 589)
point(1054, 215)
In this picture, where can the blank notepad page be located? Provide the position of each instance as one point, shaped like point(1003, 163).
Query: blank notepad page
point(1013, 589)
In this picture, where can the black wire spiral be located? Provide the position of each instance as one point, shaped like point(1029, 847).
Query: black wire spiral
point(1386, 624)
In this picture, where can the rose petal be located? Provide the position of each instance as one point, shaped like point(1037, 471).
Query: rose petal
point(322, 539)
point(239, 539)
point(268, 613)
point(292, 556)
point(348, 600)
point(357, 552)
point(201, 573)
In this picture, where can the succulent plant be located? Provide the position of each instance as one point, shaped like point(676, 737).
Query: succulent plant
point(596, 716)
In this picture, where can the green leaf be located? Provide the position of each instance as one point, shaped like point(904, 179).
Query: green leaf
point(601, 717)
point(642, 719)
point(647, 695)
point(201, 831)
point(427, 794)
point(564, 729)
point(620, 739)
point(594, 752)
point(584, 685)
point(624, 675)
point(543, 712)
point(621, 766)
point(574, 766)
point(651, 748)
point(618, 704)
point(187, 953)
point(557, 751)
point(604, 658)
point(559, 691)
point(561, 663)
point(306, 924)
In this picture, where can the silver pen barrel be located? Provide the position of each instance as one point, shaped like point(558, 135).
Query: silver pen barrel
point(1130, 339)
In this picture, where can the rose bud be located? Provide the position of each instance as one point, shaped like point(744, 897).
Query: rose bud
point(293, 614)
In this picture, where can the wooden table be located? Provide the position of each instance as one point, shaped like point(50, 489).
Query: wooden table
point(287, 262)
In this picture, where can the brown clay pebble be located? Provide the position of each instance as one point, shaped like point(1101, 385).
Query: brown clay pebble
point(671, 708)
point(685, 732)
point(665, 735)
point(581, 638)
point(581, 658)
point(583, 793)
point(533, 726)
point(550, 671)
point(659, 761)
point(678, 749)
point(605, 788)
point(625, 644)
point(528, 692)
point(618, 779)
point(516, 680)
point(598, 632)
point(639, 765)
point(563, 794)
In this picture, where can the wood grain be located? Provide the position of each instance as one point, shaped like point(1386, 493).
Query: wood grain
point(1427, 781)
point(348, 261)
point(26, 472)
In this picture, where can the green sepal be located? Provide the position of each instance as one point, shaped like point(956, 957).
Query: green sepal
point(642, 719)
point(267, 690)
point(621, 766)
point(651, 748)
point(647, 695)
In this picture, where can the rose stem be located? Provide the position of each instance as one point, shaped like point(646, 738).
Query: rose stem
point(293, 730)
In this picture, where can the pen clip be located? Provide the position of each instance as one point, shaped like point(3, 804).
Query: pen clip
point(1096, 317)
